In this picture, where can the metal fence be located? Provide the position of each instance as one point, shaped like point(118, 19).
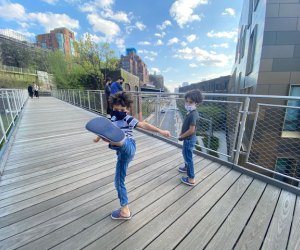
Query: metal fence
point(17, 70)
point(11, 104)
point(259, 132)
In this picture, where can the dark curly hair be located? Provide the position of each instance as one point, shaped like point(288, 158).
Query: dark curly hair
point(120, 98)
point(195, 95)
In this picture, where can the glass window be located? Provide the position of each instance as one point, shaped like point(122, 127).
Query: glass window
point(250, 13)
point(292, 115)
point(251, 51)
point(255, 3)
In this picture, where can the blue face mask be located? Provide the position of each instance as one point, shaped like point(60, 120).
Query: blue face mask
point(118, 114)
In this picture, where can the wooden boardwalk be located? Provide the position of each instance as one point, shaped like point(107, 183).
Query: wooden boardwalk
point(57, 192)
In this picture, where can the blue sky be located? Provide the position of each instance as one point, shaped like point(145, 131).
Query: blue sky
point(184, 40)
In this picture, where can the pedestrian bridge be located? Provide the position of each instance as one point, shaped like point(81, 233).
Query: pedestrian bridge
point(57, 191)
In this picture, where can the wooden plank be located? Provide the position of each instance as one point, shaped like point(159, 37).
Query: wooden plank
point(46, 175)
point(278, 233)
point(69, 224)
point(294, 241)
point(140, 236)
point(43, 202)
point(255, 231)
point(173, 235)
point(57, 187)
point(228, 233)
point(133, 181)
point(124, 230)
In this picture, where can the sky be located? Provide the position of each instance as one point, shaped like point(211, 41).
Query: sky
point(184, 40)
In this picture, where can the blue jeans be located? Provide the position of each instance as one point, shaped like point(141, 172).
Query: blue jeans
point(187, 152)
point(125, 155)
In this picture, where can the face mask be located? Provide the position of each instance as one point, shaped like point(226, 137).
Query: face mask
point(119, 115)
point(190, 108)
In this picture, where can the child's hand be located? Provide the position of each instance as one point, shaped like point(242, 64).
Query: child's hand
point(165, 133)
point(97, 139)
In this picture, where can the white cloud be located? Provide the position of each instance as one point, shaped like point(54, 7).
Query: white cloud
point(93, 6)
point(52, 2)
point(145, 43)
point(173, 41)
point(140, 25)
point(206, 58)
point(159, 42)
point(156, 70)
point(164, 25)
point(12, 11)
point(120, 42)
point(222, 45)
point(183, 44)
point(118, 16)
point(167, 70)
point(149, 58)
point(94, 38)
point(109, 28)
point(191, 38)
point(183, 11)
point(229, 12)
point(162, 34)
point(222, 34)
point(147, 52)
point(193, 65)
point(104, 3)
point(50, 20)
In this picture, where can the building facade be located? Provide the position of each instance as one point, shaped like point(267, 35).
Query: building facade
point(267, 62)
point(135, 65)
point(60, 38)
point(217, 85)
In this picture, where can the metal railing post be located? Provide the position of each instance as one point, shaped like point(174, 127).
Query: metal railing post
point(15, 102)
point(3, 129)
point(157, 110)
point(79, 98)
point(241, 130)
point(73, 97)
point(88, 92)
point(9, 107)
point(252, 133)
point(101, 103)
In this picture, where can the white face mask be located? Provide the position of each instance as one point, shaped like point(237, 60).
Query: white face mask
point(190, 108)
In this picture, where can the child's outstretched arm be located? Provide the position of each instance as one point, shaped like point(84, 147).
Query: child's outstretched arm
point(187, 133)
point(152, 128)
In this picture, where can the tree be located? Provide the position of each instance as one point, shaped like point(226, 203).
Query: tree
point(89, 59)
point(108, 59)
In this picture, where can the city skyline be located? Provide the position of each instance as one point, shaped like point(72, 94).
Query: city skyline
point(184, 40)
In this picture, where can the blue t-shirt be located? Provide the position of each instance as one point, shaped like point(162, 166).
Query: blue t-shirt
point(115, 87)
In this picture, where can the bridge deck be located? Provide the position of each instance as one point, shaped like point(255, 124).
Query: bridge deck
point(57, 192)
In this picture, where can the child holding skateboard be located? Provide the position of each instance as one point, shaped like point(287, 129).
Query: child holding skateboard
point(120, 103)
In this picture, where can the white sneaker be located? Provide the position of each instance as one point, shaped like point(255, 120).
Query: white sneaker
point(108, 116)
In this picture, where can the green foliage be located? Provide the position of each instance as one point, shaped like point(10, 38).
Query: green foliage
point(23, 55)
point(85, 69)
point(214, 144)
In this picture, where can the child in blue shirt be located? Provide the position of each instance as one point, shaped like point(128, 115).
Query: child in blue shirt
point(120, 103)
point(188, 135)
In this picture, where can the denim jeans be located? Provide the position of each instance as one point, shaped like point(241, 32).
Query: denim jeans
point(125, 155)
point(187, 152)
